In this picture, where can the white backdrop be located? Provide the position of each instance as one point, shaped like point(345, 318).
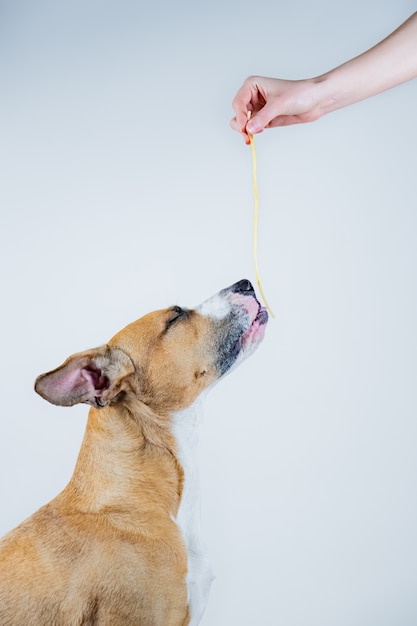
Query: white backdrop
point(123, 190)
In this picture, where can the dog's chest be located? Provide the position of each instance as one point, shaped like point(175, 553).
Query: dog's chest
point(186, 426)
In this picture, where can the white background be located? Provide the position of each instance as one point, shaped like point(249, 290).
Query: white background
point(123, 190)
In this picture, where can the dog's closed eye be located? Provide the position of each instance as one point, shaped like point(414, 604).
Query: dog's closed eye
point(176, 314)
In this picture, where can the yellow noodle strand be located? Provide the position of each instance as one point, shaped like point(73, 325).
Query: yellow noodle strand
point(255, 225)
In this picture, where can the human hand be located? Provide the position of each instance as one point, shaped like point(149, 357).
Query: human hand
point(275, 102)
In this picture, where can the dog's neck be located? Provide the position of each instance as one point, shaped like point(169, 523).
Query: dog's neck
point(186, 429)
point(139, 472)
point(124, 461)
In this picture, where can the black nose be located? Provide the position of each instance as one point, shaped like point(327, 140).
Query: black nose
point(244, 287)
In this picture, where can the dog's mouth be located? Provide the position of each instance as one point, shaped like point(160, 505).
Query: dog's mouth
point(252, 330)
point(239, 322)
point(256, 329)
point(262, 316)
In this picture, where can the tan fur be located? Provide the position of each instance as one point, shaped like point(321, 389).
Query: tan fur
point(106, 550)
point(119, 546)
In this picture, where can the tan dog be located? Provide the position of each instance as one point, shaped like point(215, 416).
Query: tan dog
point(121, 545)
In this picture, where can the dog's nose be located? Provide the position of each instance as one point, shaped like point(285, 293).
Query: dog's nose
point(243, 287)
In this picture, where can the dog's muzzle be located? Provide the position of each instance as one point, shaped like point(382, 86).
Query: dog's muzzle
point(239, 323)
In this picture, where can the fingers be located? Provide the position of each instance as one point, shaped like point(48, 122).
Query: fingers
point(257, 96)
point(260, 120)
point(277, 102)
point(246, 100)
point(238, 123)
point(236, 126)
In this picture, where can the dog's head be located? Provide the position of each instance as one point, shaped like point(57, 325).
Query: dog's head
point(166, 358)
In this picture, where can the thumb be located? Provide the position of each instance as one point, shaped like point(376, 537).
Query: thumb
point(262, 118)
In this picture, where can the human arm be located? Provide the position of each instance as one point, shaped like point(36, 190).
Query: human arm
point(276, 102)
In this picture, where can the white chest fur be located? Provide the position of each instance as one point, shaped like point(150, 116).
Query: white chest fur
point(187, 426)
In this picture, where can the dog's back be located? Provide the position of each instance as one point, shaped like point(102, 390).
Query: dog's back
point(70, 568)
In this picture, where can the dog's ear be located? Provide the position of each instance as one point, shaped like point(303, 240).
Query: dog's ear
point(94, 377)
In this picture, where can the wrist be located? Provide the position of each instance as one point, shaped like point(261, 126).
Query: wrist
point(331, 92)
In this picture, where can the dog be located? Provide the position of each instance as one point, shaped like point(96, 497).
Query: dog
point(121, 544)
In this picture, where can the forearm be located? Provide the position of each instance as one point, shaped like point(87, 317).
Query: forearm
point(277, 102)
point(391, 62)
